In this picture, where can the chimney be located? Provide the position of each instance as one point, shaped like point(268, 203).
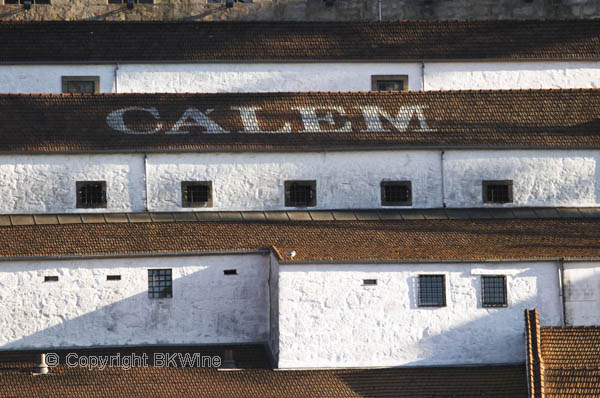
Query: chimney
point(41, 368)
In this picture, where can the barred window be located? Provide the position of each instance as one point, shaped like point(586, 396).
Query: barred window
point(497, 191)
point(300, 193)
point(493, 291)
point(160, 284)
point(396, 193)
point(38, 2)
point(134, 1)
point(432, 291)
point(91, 194)
point(196, 193)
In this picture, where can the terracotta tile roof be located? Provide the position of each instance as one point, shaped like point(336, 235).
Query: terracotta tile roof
point(367, 240)
point(569, 363)
point(423, 382)
point(476, 119)
point(213, 41)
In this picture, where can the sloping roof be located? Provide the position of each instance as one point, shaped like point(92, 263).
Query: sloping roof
point(569, 360)
point(252, 381)
point(321, 241)
point(237, 41)
point(447, 119)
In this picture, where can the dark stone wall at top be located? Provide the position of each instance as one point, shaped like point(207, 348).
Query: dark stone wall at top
point(306, 10)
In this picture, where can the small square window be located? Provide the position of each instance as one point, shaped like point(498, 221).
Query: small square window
point(493, 291)
point(389, 82)
point(196, 194)
point(160, 284)
point(91, 194)
point(432, 291)
point(497, 191)
point(51, 278)
point(300, 193)
point(396, 193)
point(80, 84)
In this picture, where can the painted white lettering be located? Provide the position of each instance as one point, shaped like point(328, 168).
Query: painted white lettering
point(192, 117)
point(250, 121)
point(312, 122)
point(116, 122)
point(373, 115)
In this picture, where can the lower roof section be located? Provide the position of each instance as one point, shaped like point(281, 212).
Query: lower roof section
point(253, 379)
point(405, 236)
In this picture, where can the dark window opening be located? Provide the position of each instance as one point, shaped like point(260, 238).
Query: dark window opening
point(300, 193)
point(160, 284)
point(230, 272)
point(38, 2)
point(51, 279)
point(80, 84)
point(113, 277)
point(389, 82)
point(432, 291)
point(493, 291)
point(91, 194)
point(396, 193)
point(497, 191)
point(369, 282)
point(196, 193)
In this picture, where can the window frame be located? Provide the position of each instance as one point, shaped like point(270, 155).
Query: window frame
point(79, 205)
point(152, 288)
point(287, 187)
point(505, 292)
point(386, 183)
point(119, 2)
point(186, 184)
point(419, 301)
point(67, 79)
point(33, 3)
point(486, 183)
point(377, 78)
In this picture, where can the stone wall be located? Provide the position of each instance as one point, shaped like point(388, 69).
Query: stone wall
point(314, 10)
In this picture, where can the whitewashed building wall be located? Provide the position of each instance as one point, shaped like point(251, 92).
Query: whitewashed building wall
point(84, 309)
point(299, 77)
point(327, 318)
point(582, 293)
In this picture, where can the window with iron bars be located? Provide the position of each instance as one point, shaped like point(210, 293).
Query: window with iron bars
point(91, 194)
point(300, 193)
point(160, 283)
point(493, 291)
point(498, 191)
point(38, 2)
point(432, 291)
point(196, 193)
point(396, 193)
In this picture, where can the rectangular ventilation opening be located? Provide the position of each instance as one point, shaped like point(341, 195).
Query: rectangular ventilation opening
point(498, 191)
point(52, 278)
point(230, 272)
point(369, 282)
point(113, 277)
point(300, 193)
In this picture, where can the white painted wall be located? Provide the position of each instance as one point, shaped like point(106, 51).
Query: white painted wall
point(511, 75)
point(328, 319)
point(582, 293)
point(47, 78)
point(47, 183)
point(84, 309)
point(540, 178)
point(255, 181)
point(281, 77)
